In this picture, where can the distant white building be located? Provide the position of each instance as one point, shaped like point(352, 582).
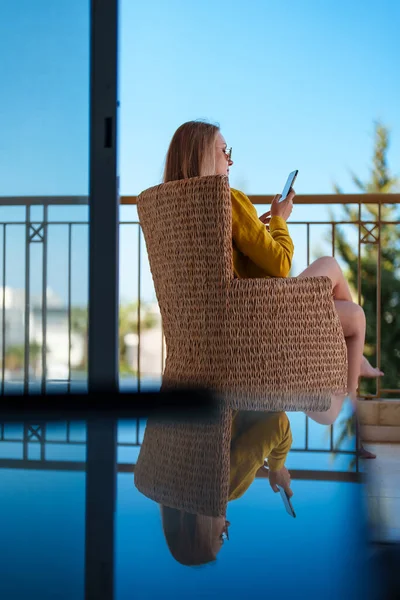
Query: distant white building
point(56, 329)
point(152, 354)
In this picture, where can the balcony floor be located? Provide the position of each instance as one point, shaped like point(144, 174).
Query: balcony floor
point(383, 490)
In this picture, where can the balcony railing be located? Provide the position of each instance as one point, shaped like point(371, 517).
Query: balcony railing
point(33, 327)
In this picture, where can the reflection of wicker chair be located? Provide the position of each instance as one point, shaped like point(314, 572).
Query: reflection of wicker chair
point(184, 464)
point(267, 344)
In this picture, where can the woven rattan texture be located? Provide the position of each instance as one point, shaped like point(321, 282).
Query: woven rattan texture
point(185, 465)
point(266, 344)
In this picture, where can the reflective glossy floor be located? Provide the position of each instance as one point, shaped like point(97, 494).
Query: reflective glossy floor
point(383, 490)
point(325, 552)
point(319, 552)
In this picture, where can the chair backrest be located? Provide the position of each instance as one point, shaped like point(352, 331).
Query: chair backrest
point(186, 464)
point(187, 226)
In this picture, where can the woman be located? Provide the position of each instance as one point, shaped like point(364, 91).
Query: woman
point(195, 539)
point(265, 249)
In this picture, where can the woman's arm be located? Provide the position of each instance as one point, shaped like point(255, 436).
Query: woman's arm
point(257, 436)
point(271, 251)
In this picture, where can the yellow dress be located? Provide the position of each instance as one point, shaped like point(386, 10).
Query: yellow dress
point(256, 436)
point(258, 253)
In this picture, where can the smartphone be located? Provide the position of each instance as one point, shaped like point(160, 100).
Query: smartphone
point(289, 183)
point(286, 502)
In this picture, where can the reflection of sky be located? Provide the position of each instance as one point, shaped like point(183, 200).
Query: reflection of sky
point(42, 524)
point(42, 535)
point(41, 519)
point(317, 553)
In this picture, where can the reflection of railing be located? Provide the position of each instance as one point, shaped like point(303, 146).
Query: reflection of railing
point(36, 439)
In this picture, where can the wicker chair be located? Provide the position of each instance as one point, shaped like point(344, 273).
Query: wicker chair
point(263, 344)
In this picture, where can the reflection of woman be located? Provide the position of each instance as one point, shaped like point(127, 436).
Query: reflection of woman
point(195, 539)
point(265, 249)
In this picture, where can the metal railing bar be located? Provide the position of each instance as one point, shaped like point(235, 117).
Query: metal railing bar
point(57, 465)
point(42, 200)
point(326, 222)
point(323, 450)
point(25, 442)
point(43, 443)
point(359, 223)
point(312, 199)
point(139, 306)
point(306, 434)
point(355, 222)
point(331, 439)
point(345, 476)
point(162, 347)
point(3, 324)
point(66, 442)
point(301, 199)
point(38, 465)
point(137, 435)
point(48, 441)
point(49, 222)
point(137, 444)
point(379, 300)
point(44, 301)
point(27, 299)
point(69, 305)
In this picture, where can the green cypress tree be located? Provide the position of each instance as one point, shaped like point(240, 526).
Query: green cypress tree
point(381, 181)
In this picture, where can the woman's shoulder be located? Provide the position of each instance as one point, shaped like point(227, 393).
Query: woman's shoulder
point(240, 198)
point(241, 204)
point(238, 195)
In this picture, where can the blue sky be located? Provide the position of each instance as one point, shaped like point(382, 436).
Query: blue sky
point(292, 84)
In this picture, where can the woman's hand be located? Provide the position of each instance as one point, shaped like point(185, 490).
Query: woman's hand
point(265, 218)
point(281, 478)
point(282, 209)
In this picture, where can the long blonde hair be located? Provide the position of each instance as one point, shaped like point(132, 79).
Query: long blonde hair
point(191, 152)
point(188, 536)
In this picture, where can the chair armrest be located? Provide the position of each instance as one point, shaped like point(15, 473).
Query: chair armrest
point(274, 295)
point(286, 336)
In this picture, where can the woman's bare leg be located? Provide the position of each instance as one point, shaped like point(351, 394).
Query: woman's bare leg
point(329, 267)
point(352, 318)
point(328, 417)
